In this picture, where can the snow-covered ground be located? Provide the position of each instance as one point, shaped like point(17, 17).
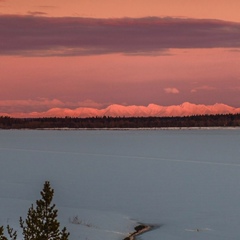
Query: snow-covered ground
point(185, 181)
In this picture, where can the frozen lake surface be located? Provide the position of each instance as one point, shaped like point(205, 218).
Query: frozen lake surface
point(185, 181)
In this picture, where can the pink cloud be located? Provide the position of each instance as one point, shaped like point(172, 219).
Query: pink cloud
point(36, 13)
point(89, 103)
point(29, 105)
point(73, 36)
point(171, 90)
point(43, 104)
point(204, 88)
point(30, 102)
point(47, 6)
point(235, 88)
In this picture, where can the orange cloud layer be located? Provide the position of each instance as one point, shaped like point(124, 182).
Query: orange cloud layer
point(185, 109)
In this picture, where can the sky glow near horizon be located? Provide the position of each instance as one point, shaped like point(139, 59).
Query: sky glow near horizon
point(96, 53)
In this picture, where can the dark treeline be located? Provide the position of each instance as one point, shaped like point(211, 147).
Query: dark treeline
point(223, 120)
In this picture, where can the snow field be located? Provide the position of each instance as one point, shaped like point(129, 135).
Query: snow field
point(186, 181)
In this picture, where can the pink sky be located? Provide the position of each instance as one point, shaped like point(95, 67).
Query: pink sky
point(96, 53)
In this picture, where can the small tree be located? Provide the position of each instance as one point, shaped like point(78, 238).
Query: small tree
point(12, 234)
point(41, 222)
point(2, 237)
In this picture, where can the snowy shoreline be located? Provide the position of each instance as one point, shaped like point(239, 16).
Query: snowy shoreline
point(127, 129)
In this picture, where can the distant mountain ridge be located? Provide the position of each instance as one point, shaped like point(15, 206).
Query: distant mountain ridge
point(152, 110)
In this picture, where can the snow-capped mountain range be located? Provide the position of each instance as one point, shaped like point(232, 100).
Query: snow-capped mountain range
point(152, 110)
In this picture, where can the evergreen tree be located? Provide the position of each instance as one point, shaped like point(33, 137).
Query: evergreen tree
point(12, 234)
point(2, 237)
point(41, 222)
